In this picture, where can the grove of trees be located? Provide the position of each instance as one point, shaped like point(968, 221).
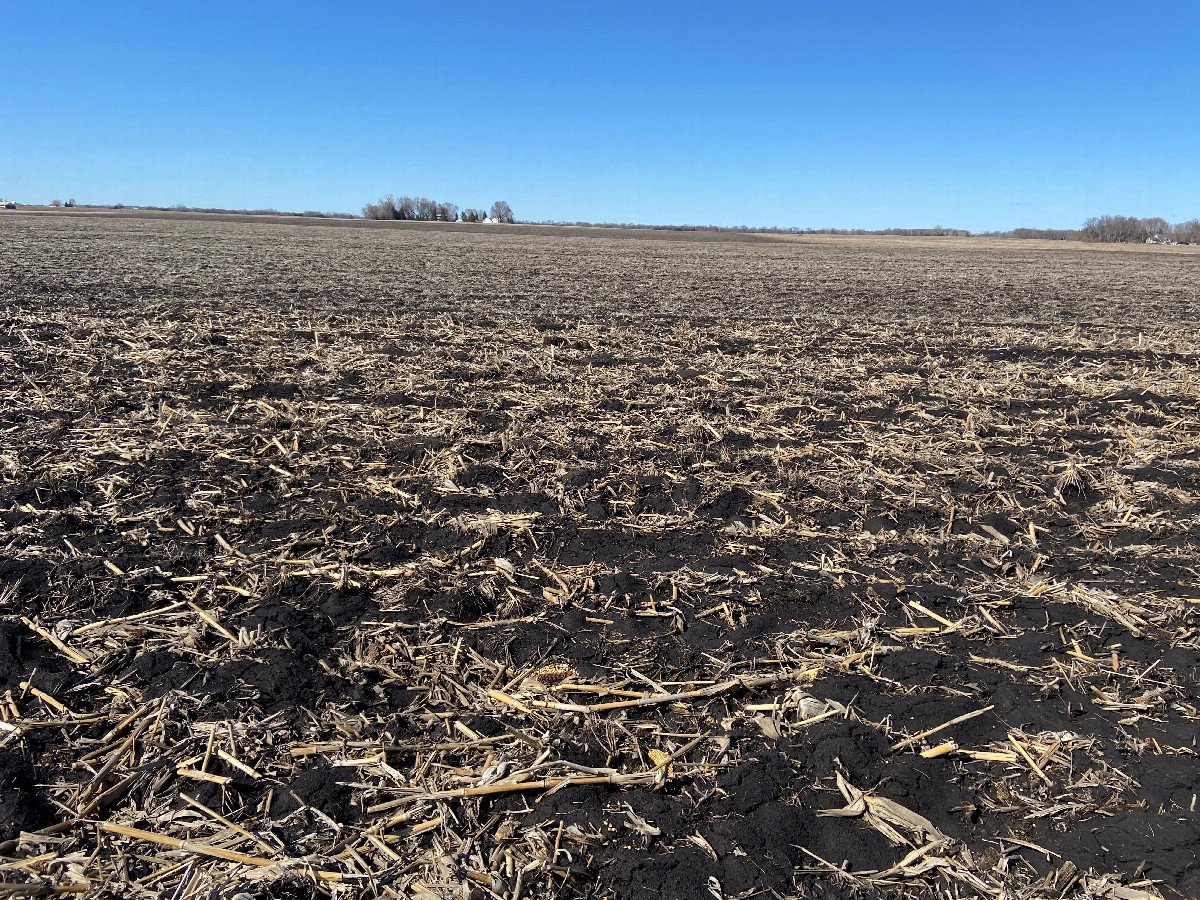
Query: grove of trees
point(1131, 230)
point(1187, 232)
point(1113, 230)
point(422, 209)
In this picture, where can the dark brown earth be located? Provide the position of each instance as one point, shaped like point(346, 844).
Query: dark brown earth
point(318, 516)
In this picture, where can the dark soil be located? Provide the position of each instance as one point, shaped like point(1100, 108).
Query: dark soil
point(22, 808)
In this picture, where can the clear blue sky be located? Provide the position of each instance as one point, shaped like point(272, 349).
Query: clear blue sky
point(980, 115)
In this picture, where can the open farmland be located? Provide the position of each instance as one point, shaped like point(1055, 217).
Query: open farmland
point(526, 563)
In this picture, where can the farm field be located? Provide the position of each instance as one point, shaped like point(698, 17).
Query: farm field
point(528, 563)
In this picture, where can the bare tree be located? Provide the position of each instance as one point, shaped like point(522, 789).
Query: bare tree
point(1157, 228)
point(448, 212)
point(384, 209)
point(56, 203)
point(502, 212)
point(1187, 232)
point(1115, 230)
point(426, 209)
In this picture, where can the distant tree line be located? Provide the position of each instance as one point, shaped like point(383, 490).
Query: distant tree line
point(936, 231)
point(1129, 230)
point(307, 214)
point(1035, 234)
point(1101, 229)
point(1113, 230)
point(180, 207)
point(740, 229)
point(422, 209)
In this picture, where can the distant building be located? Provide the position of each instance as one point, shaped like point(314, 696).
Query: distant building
point(9, 204)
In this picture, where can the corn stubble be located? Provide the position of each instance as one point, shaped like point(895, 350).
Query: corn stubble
point(399, 563)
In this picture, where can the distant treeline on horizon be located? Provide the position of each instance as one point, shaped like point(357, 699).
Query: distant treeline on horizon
point(1099, 229)
point(180, 207)
point(765, 229)
point(1112, 230)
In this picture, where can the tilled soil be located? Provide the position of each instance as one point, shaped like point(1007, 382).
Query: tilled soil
point(376, 562)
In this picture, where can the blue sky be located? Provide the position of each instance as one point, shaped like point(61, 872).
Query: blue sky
point(979, 115)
